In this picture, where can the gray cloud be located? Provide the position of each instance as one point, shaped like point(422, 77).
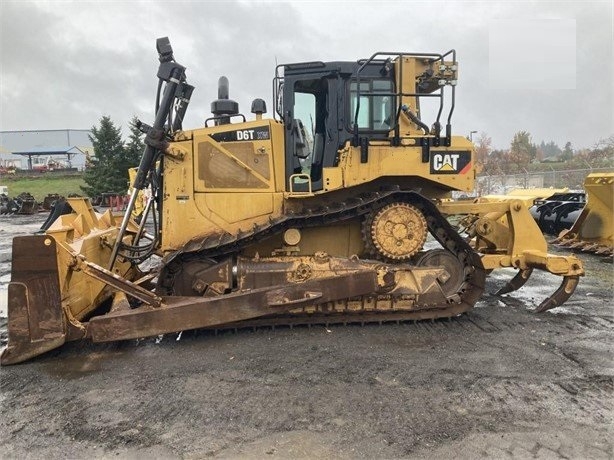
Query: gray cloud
point(65, 64)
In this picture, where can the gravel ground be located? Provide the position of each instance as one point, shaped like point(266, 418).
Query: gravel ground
point(497, 382)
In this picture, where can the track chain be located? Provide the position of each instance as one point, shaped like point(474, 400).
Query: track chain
point(225, 244)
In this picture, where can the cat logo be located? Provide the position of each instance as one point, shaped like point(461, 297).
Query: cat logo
point(445, 162)
point(450, 162)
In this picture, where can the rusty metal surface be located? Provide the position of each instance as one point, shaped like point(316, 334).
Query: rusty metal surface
point(36, 321)
point(516, 282)
point(357, 316)
point(116, 281)
point(184, 313)
point(560, 296)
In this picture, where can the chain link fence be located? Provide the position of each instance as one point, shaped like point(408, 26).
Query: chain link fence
point(572, 179)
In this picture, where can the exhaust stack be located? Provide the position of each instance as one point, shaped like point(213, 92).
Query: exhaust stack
point(223, 108)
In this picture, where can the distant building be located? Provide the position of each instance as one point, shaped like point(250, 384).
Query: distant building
point(45, 148)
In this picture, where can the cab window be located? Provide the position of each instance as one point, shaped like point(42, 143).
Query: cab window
point(376, 105)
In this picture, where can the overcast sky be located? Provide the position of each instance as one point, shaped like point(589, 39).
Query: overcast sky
point(541, 66)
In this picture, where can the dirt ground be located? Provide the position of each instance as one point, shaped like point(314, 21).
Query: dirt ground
point(497, 382)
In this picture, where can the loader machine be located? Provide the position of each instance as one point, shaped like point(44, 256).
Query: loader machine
point(334, 210)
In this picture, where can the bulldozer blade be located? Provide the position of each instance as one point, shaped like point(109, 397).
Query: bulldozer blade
point(516, 282)
point(36, 321)
point(560, 296)
point(184, 313)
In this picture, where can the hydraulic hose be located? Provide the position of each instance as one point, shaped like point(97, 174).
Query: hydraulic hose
point(414, 118)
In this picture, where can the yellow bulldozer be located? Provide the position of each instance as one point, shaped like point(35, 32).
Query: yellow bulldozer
point(335, 210)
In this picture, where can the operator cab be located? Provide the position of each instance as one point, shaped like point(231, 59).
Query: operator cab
point(318, 104)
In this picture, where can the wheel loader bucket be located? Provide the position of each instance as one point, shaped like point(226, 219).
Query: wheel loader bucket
point(593, 230)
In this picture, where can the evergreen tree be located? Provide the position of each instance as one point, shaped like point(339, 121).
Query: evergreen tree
point(522, 150)
point(551, 149)
point(135, 146)
point(567, 152)
point(108, 172)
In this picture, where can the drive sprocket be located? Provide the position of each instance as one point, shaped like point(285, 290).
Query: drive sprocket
point(395, 232)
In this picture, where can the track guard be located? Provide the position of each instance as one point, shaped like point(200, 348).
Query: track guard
point(36, 321)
